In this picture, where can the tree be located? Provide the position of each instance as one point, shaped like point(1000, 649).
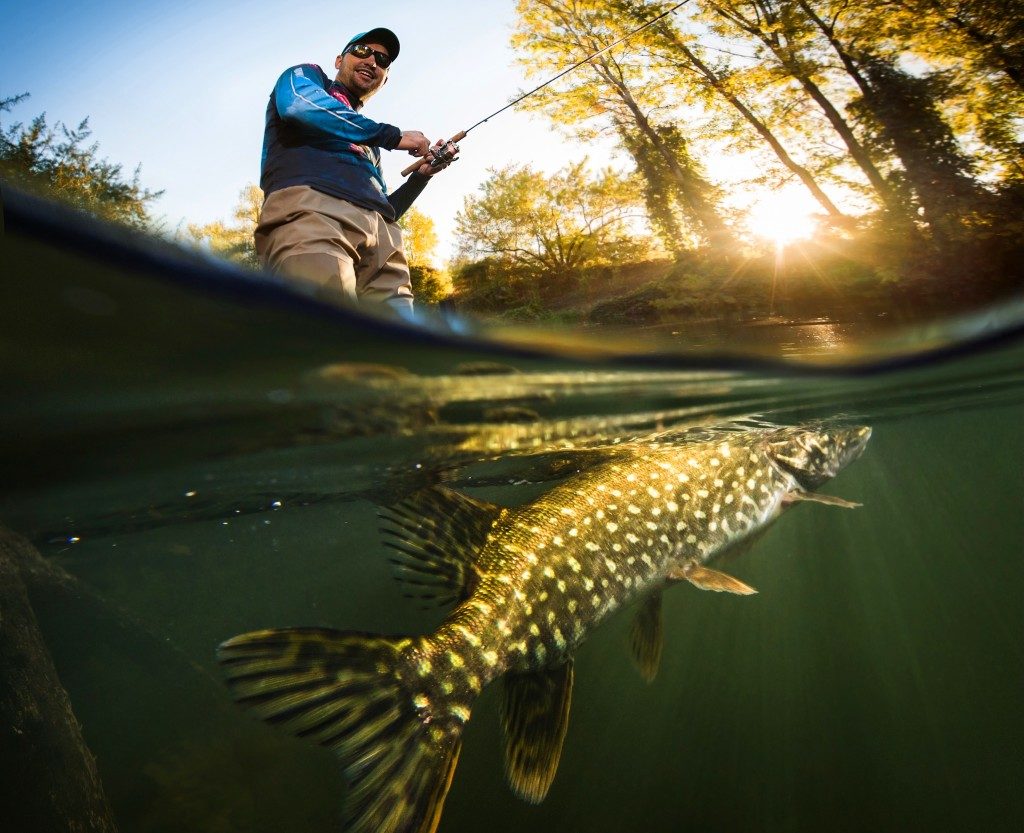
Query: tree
point(57, 162)
point(995, 31)
point(901, 116)
point(784, 35)
point(555, 34)
point(900, 113)
point(662, 210)
point(430, 285)
point(550, 226)
point(234, 242)
point(668, 40)
point(419, 237)
point(974, 54)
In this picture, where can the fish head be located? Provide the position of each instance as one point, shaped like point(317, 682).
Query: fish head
point(816, 454)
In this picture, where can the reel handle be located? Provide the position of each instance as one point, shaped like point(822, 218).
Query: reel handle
point(458, 137)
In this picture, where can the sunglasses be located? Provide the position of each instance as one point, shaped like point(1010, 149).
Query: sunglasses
point(361, 50)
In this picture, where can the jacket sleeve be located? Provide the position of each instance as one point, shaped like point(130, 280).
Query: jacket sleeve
point(299, 97)
point(402, 197)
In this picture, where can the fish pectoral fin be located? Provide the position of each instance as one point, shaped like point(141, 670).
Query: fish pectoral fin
point(436, 535)
point(797, 496)
point(646, 637)
point(707, 579)
point(349, 692)
point(534, 719)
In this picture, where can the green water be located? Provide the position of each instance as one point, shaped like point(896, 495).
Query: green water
point(180, 455)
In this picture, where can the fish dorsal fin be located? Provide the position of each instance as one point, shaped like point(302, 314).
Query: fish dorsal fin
point(534, 719)
point(437, 534)
point(796, 496)
point(707, 579)
point(646, 637)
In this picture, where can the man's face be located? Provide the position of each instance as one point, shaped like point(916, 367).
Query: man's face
point(361, 75)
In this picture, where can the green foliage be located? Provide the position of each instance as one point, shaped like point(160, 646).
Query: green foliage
point(494, 284)
point(234, 242)
point(779, 79)
point(901, 115)
point(533, 233)
point(429, 285)
point(58, 162)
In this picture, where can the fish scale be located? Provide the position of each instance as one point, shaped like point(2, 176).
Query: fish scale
point(529, 584)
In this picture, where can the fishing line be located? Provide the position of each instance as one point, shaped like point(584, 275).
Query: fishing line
point(443, 154)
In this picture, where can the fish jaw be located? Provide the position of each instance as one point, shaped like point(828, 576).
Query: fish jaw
point(815, 454)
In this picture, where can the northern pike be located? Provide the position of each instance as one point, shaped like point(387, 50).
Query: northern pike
point(529, 584)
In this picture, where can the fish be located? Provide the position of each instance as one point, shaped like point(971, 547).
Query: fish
point(528, 585)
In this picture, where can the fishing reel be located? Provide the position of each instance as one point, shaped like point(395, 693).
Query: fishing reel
point(448, 152)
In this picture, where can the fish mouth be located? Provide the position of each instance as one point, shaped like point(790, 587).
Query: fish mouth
point(856, 444)
point(855, 441)
point(812, 457)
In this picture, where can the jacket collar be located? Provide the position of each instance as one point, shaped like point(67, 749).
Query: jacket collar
point(353, 99)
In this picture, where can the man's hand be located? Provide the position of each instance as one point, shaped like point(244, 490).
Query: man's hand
point(451, 149)
point(415, 142)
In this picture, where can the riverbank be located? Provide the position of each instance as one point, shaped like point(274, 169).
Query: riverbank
point(806, 281)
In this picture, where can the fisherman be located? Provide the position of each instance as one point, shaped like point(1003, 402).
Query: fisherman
point(327, 219)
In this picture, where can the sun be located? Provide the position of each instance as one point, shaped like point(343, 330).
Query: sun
point(783, 216)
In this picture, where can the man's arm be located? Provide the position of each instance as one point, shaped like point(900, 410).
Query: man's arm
point(403, 196)
point(299, 97)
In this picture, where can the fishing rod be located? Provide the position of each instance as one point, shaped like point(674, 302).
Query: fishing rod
point(448, 151)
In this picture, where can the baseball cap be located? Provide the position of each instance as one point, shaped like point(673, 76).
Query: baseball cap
point(385, 37)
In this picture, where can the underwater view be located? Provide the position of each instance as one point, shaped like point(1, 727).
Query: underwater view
point(210, 485)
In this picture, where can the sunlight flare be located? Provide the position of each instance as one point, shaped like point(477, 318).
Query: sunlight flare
point(783, 217)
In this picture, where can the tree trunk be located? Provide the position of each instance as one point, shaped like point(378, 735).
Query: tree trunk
point(925, 145)
point(762, 129)
point(51, 783)
point(690, 185)
point(693, 191)
point(657, 191)
point(790, 61)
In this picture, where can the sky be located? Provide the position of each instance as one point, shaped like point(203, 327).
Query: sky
point(181, 88)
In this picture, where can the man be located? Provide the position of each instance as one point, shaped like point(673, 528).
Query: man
point(327, 220)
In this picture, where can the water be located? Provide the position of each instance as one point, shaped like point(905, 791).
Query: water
point(207, 466)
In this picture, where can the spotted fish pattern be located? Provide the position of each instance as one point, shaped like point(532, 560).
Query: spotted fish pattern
point(528, 584)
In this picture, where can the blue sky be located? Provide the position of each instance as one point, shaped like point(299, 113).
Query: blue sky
point(182, 88)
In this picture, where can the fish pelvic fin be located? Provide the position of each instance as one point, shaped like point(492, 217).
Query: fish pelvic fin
point(436, 535)
point(362, 697)
point(646, 637)
point(707, 579)
point(534, 720)
point(798, 496)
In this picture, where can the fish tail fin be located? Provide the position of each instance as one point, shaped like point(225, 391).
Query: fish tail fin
point(366, 698)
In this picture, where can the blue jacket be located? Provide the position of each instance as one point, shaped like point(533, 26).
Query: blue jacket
point(315, 136)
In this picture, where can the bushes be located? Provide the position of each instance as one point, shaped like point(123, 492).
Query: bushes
point(429, 285)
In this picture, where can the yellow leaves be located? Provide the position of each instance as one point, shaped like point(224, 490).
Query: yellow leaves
point(233, 242)
point(419, 237)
